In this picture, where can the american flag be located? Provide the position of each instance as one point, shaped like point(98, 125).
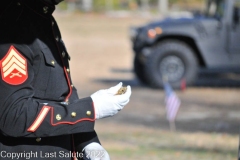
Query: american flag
point(172, 102)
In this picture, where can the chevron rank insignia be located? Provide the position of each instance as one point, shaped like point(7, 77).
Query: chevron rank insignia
point(14, 67)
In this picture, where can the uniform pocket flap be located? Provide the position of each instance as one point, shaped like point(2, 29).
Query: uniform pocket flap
point(48, 57)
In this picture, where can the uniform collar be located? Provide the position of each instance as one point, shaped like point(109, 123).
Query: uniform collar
point(40, 7)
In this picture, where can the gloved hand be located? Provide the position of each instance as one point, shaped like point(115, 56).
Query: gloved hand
point(107, 103)
point(95, 151)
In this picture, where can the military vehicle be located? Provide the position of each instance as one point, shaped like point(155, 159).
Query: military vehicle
point(177, 48)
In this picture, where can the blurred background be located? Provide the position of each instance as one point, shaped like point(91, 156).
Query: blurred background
point(96, 34)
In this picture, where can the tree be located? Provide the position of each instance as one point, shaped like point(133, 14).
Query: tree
point(163, 6)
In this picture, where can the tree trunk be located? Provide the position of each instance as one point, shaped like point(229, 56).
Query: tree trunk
point(163, 6)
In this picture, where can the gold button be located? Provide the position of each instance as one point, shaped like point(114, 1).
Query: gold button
point(45, 9)
point(63, 54)
point(53, 62)
point(74, 114)
point(57, 39)
point(68, 70)
point(38, 139)
point(58, 117)
point(89, 113)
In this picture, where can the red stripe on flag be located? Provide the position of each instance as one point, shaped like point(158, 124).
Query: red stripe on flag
point(172, 106)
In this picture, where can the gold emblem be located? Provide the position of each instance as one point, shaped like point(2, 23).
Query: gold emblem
point(38, 139)
point(74, 114)
point(89, 113)
point(63, 54)
point(122, 90)
point(53, 62)
point(58, 117)
point(45, 9)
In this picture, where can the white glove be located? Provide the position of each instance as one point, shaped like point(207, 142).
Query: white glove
point(95, 151)
point(107, 103)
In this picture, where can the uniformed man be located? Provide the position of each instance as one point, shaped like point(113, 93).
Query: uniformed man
point(41, 116)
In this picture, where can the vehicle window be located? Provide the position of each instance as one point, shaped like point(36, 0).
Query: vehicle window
point(237, 3)
point(215, 8)
point(236, 11)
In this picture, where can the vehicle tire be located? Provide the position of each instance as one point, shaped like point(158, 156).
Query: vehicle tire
point(174, 60)
point(139, 70)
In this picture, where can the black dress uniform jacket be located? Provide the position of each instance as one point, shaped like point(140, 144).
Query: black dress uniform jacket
point(41, 116)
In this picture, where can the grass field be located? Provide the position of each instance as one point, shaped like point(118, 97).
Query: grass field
point(142, 143)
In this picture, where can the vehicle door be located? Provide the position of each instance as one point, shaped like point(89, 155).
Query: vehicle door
point(234, 35)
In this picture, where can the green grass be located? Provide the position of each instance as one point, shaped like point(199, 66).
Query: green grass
point(142, 143)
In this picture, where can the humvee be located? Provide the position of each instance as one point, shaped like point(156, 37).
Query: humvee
point(177, 48)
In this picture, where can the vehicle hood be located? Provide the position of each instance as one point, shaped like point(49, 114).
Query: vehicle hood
point(173, 22)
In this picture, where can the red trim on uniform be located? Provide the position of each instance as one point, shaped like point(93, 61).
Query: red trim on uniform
point(74, 150)
point(65, 122)
point(69, 83)
point(64, 68)
point(38, 121)
point(43, 113)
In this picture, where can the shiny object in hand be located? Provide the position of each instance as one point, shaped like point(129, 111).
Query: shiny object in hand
point(122, 90)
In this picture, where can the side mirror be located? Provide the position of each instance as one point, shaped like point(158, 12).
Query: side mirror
point(236, 15)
